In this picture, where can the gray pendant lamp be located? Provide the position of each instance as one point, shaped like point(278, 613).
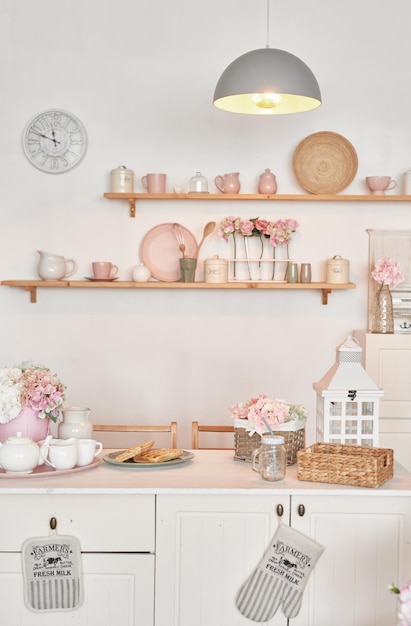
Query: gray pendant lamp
point(267, 82)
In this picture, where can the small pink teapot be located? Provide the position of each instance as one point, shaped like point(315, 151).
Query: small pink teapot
point(229, 183)
point(267, 183)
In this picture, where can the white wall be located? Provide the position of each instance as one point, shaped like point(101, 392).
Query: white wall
point(141, 75)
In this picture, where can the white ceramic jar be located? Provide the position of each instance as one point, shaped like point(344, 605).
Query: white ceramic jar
point(338, 270)
point(216, 270)
point(141, 274)
point(122, 180)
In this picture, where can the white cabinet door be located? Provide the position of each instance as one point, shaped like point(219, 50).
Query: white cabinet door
point(367, 547)
point(387, 359)
point(206, 548)
point(118, 590)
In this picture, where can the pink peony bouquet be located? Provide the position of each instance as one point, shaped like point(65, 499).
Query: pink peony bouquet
point(404, 614)
point(256, 413)
point(30, 385)
point(387, 272)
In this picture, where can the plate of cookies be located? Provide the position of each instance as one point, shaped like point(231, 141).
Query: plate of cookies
point(146, 456)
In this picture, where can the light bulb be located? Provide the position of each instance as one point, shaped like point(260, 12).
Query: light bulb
point(267, 100)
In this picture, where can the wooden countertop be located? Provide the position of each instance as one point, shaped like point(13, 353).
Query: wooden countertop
point(210, 472)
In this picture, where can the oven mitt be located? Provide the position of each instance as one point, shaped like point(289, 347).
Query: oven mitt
point(52, 573)
point(280, 577)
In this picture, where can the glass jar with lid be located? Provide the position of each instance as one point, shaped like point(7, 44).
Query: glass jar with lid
point(269, 459)
point(198, 184)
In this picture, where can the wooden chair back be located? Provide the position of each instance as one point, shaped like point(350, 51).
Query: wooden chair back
point(197, 428)
point(111, 434)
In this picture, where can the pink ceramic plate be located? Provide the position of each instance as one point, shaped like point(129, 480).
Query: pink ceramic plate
point(47, 471)
point(160, 252)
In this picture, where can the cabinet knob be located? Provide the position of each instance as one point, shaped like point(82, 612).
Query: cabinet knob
point(301, 510)
point(53, 523)
point(280, 510)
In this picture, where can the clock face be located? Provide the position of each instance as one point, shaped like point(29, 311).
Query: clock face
point(55, 141)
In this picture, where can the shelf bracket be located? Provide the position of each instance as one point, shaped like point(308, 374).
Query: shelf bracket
point(33, 293)
point(326, 293)
point(132, 203)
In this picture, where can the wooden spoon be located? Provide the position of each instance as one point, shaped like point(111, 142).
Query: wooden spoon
point(208, 229)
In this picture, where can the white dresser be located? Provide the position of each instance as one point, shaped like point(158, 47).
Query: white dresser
point(387, 359)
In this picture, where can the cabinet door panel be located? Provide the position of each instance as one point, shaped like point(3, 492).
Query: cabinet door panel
point(118, 589)
point(121, 523)
point(367, 547)
point(206, 548)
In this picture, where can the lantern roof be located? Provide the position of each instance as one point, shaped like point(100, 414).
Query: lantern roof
point(347, 372)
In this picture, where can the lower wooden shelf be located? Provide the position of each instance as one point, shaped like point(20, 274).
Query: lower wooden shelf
point(32, 285)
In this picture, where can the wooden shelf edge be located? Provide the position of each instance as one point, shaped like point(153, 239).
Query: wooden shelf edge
point(308, 197)
point(32, 285)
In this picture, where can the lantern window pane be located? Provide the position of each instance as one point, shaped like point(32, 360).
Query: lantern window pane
point(351, 408)
point(335, 427)
point(336, 409)
point(351, 442)
point(367, 408)
point(351, 427)
point(366, 442)
point(367, 427)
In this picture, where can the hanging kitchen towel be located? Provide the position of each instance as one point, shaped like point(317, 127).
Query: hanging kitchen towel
point(52, 572)
point(280, 577)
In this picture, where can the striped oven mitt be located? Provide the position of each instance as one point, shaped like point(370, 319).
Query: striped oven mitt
point(280, 577)
point(52, 572)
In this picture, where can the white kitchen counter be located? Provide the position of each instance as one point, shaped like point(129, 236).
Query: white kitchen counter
point(210, 472)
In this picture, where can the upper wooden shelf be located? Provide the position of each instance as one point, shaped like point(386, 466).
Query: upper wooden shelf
point(32, 285)
point(309, 197)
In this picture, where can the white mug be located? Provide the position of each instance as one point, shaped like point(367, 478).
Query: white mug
point(60, 453)
point(87, 450)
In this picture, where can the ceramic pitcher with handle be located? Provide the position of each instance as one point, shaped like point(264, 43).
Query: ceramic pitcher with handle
point(229, 183)
point(54, 267)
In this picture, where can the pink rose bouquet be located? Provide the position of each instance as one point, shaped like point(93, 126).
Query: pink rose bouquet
point(404, 614)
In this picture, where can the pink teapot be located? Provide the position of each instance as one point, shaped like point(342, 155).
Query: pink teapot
point(229, 183)
point(267, 183)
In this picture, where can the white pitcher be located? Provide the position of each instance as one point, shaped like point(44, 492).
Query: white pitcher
point(75, 423)
point(54, 267)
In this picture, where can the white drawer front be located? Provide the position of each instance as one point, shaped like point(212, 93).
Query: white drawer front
point(102, 523)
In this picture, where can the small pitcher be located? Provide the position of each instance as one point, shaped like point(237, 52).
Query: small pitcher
point(60, 453)
point(54, 267)
point(229, 183)
point(75, 423)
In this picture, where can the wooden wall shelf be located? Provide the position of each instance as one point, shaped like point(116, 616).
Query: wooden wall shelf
point(32, 285)
point(133, 197)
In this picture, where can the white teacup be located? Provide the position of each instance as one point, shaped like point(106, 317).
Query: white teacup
point(60, 453)
point(87, 450)
point(379, 184)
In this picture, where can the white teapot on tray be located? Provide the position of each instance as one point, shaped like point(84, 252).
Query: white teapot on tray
point(20, 455)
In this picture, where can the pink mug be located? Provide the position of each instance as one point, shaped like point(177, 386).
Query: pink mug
point(378, 185)
point(104, 270)
point(154, 183)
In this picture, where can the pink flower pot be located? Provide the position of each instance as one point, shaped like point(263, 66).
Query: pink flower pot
point(28, 424)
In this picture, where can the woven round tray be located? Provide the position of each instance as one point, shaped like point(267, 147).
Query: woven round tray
point(325, 162)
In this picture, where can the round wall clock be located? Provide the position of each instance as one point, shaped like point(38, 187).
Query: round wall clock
point(55, 141)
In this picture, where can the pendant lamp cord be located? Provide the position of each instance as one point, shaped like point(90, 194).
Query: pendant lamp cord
point(267, 45)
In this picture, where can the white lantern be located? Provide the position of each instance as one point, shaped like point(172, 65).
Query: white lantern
point(348, 400)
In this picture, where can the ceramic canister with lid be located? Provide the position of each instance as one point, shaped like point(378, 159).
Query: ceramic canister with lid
point(216, 270)
point(122, 180)
point(338, 270)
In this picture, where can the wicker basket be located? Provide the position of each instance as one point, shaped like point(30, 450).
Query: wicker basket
point(360, 466)
point(294, 437)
